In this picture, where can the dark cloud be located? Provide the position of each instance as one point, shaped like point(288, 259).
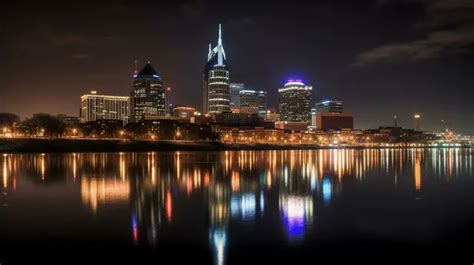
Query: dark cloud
point(434, 45)
point(450, 25)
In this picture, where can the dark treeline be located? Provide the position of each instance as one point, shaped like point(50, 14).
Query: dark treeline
point(50, 126)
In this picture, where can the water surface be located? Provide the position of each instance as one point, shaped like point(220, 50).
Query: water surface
point(239, 206)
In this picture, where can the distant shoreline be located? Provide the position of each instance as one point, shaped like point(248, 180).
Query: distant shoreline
point(85, 145)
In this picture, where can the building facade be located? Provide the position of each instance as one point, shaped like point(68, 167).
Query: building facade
point(234, 95)
point(184, 112)
point(216, 80)
point(253, 102)
point(332, 106)
point(334, 121)
point(313, 124)
point(148, 96)
point(295, 101)
point(104, 107)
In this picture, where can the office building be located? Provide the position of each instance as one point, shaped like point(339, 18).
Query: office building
point(295, 102)
point(104, 107)
point(291, 126)
point(333, 106)
point(253, 102)
point(271, 115)
point(334, 121)
point(148, 96)
point(234, 94)
point(216, 80)
point(313, 124)
point(184, 112)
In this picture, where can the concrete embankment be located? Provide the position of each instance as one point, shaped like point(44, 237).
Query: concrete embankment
point(80, 145)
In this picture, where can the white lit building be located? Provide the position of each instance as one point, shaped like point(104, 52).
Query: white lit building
point(104, 107)
point(295, 102)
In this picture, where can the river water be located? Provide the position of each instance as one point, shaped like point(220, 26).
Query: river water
point(236, 207)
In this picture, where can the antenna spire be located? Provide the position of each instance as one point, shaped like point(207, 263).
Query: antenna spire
point(219, 41)
point(136, 66)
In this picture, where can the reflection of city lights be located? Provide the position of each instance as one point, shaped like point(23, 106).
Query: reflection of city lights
point(418, 173)
point(269, 179)
point(327, 190)
point(42, 166)
point(206, 179)
point(5, 175)
point(235, 181)
point(122, 166)
point(169, 206)
point(297, 211)
point(219, 240)
point(74, 166)
point(243, 205)
point(134, 228)
point(102, 191)
point(304, 175)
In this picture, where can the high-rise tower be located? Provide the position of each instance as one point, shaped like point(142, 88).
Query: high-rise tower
point(216, 80)
point(147, 97)
point(295, 101)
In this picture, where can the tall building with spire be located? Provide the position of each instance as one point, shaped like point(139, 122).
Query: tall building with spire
point(216, 80)
point(148, 96)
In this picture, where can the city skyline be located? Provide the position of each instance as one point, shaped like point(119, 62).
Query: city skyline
point(237, 132)
point(365, 73)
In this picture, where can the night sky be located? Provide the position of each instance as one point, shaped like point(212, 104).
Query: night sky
point(380, 57)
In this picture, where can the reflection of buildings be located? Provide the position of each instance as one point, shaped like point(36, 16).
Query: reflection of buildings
point(297, 214)
point(417, 172)
point(97, 191)
point(238, 186)
point(152, 203)
point(218, 200)
point(8, 166)
point(326, 190)
point(243, 206)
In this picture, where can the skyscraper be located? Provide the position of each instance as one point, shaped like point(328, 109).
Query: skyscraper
point(148, 96)
point(313, 118)
point(253, 102)
point(295, 101)
point(234, 95)
point(103, 107)
point(216, 80)
point(333, 106)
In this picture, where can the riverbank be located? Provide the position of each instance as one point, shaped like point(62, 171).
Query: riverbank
point(88, 145)
point(80, 145)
